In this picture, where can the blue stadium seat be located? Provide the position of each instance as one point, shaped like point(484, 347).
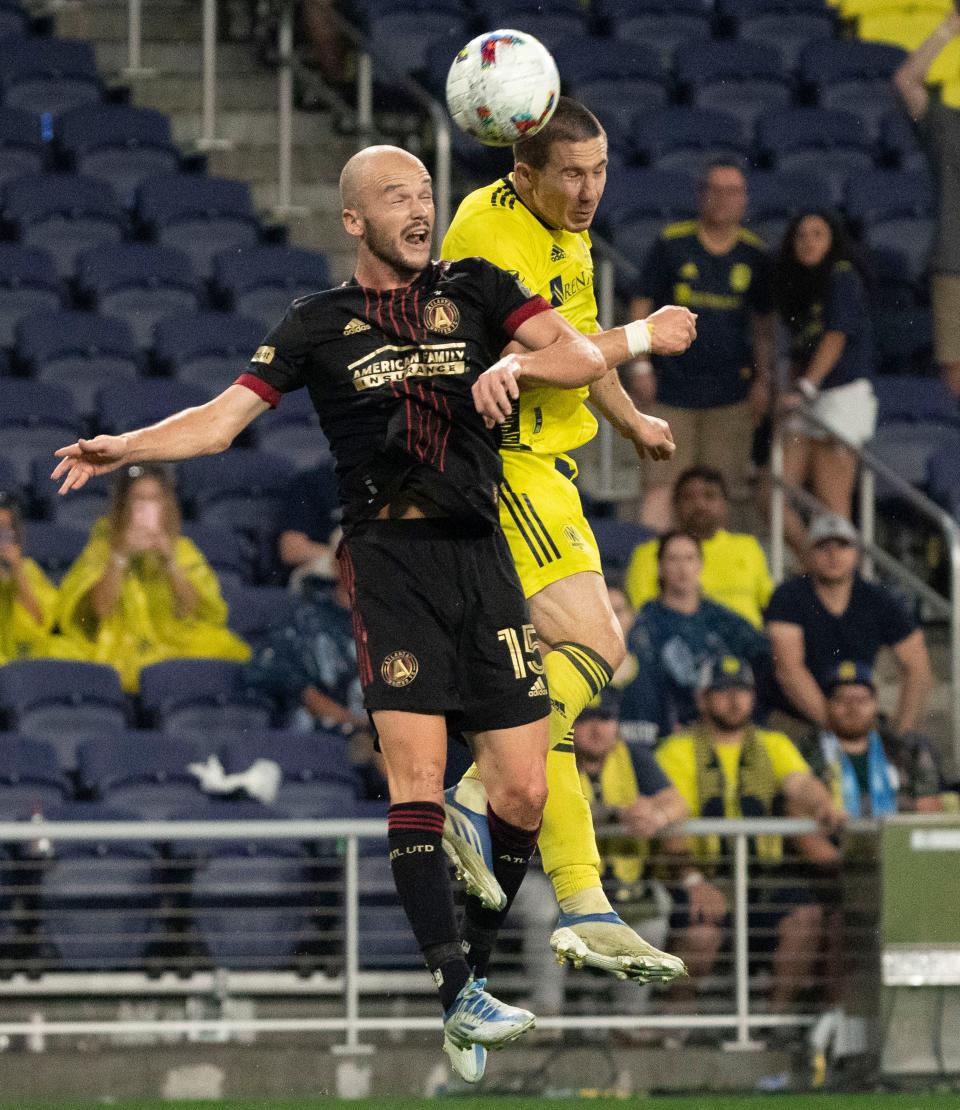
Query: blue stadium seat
point(14, 21)
point(386, 940)
point(33, 418)
point(903, 397)
point(9, 477)
point(21, 148)
point(943, 479)
point(853, 76)
point(199, 215)
point(608, 11)
point(148, 779)
point(225, 550)
point(788, 32)
point(744, 9)
point(686, 139)
point(908, 446)
point(31, 779)
point(260, 282)
point(553, 28)
point(28, 283)
point(240, 490)
point(53, 545)
point(895, 209)
point(80, 511)
point(617, 539)
point(77, 351)
point(99, 905)
point(292, 432)
point(746, 78)
point(638, 203)
point(207, 349)
point(120, 144)
point(46, 696)
point(663, 33)
point(144, 401)
point(140, 283)
point(406, 37)
point(255, 610)
point(48, 76)
point(831, 145)
point(775, 198)
point(900, 144)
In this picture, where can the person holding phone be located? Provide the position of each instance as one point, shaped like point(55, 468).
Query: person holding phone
point(141, 592)
point(27, 596)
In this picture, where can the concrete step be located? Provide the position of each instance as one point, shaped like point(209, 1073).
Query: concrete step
point(106, 20)
point(249, 128)
point(258, 164)
point(176, 93)
point(184, 58)
point(322, 200)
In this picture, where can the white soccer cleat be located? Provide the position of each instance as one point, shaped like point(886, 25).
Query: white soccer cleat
point(606, 942)
point(469, 1063)
point(466, 840)
point(477, 1018)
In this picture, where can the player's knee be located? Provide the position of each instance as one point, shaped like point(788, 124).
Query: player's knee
point(520, 799)
point(806, 920)
point(420, 782)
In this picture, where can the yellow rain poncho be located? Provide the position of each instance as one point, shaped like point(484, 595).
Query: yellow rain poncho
point(20, 635)
point(144, 627)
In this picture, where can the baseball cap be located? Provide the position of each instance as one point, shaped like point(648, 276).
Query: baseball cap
point(849, 673)
point(831, 526)
point(605, 706)
point(726, 672)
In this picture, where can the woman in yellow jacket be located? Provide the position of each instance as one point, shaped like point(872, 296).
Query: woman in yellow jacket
point(27, 597)
point(140, 592)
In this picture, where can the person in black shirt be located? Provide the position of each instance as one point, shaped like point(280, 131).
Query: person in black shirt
point(819, 619)
point(403, 366)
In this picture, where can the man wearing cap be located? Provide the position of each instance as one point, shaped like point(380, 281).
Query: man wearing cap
point(818, 619)
point(870, 770)
point(726, 767)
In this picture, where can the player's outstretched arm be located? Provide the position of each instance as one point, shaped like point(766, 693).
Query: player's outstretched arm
point(204, 430)
point(668, 331)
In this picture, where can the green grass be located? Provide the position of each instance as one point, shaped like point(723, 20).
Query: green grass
point(931, 1101)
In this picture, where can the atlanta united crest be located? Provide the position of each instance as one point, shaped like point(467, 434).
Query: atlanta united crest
point(399, 668)
point(441, 315)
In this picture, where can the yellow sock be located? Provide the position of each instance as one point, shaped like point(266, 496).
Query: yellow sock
point(575, 675)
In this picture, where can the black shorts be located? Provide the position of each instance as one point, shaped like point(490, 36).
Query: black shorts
point(441, 624)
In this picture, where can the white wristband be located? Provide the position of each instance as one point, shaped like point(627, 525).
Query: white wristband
point(807, 389)
point(639, 336)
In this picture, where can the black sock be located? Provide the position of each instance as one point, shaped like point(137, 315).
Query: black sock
point(423, 885)
point(512, 849)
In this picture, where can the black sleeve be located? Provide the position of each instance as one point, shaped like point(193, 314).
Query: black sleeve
point(651, 779)
point(784, 604)
point(761, 288)
point(277, 366)
point(654, 276)
point(507, 301)
point(893, 617)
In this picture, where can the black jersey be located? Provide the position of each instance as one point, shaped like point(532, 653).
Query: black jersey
point(390, 375)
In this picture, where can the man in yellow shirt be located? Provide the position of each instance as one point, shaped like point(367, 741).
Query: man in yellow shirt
point(534, 223)
point(735, 571)
point(725, 767)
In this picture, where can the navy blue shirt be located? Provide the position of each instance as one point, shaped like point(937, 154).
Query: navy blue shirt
point(311, 505)
point(724, 290)
point(844, 309)
point(873, 619)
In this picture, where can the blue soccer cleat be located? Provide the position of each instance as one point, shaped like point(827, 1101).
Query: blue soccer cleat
point(469, 1063)
point(466, 840)
point(606, 942)
point(477, 1018)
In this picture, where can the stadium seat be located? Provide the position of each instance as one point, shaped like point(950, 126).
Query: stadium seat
point(47, 696)
point(201, 216)
point(637, 204)
point(405, 37)
point(31, 780)
point(853, 76)
point(227, 552)
point(907, 448)
point(148, 779)
point(617, 539)
point(260, 282)
point(21, 147)
point(255, 610)
point(240, 489)
point(663, 33)
point(77, 351)
point(899, 143)
point(904, 397)
point(119, 144)
point(14, 21)
point(144, 401)
point(53, 545)
point(611, 10)
point(775, 198)
point(292, 432)
point(686, 139)
point(746, 78)
point(35, 419)
point(80, 511)
point(830, 145)
point(895, 210)
point(207, 349)
point(28, 283)
point(553, 28)
point(99, 903)
point(943, 479)
point(746, 9)
point(140, 283)
point(787, 31)
point(385, 941)
point(48, 76)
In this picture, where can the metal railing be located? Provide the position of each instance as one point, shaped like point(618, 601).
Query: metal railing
point(351, 983)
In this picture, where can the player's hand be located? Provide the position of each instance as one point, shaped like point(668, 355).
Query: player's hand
point(707, 903)
point(673, 330)
point(496, 389)
point(87, 458)
point(652, 437)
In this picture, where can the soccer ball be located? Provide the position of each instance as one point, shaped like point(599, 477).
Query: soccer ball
point(502, 87)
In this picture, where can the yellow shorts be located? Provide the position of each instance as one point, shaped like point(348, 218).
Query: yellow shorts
point(543, 520)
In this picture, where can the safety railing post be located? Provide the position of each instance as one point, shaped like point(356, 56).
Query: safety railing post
point(208, 137)
point(364, 99)
point(134, 67)
point(953, 540)
point(743, 1043)
point(351, 952)
point(285, 205)
point(868, 519)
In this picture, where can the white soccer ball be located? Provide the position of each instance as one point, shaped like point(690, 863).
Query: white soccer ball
point(503, 86)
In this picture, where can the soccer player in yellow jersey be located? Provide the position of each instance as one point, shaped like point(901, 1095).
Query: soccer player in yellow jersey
point(534, 223)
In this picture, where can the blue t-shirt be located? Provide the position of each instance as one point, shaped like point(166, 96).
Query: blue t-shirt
point(671, 648)
point(844, 309)
point(873, 619)
point(724, 290)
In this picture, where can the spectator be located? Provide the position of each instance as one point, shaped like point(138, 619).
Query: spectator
point(724, 767)
point(818, 619)
point(309, 517)
point(714, 393)
point(870, 770)
point(626, 789)
point(939, 125)
point(140, 592)
point(27, 596)
point(822, 301)
point(672, 637)
point(735, 569)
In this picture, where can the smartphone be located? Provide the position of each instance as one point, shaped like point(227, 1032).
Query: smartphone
point(146, 515)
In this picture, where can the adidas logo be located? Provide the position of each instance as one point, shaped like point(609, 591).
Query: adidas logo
point(557, 254)
point(538, 689)
point(355, 326)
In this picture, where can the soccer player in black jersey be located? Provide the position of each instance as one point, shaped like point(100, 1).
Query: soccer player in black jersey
point(402, 364)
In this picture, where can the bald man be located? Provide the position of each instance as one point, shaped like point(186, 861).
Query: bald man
point(403, 367)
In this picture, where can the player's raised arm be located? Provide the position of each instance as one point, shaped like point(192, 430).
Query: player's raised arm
point(203, 430)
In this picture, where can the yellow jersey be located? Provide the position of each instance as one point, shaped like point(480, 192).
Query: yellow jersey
point(494, 223)
point(735, 574)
